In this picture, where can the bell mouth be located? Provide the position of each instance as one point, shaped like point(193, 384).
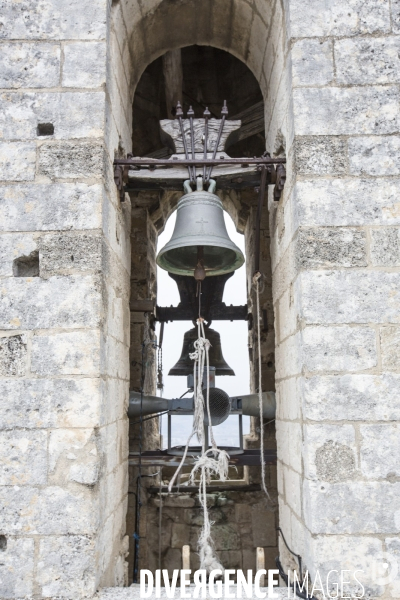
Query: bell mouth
point(216, 259)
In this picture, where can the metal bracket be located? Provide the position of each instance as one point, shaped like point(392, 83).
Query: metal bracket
point(279, 181)
point(119, 181)
point(121, 177)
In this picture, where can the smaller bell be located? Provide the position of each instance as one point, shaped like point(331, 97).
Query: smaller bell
point(185, 364)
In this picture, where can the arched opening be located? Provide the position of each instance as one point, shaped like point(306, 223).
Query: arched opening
point(209, 76)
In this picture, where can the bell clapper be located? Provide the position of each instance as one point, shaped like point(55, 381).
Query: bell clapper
point(199, 272)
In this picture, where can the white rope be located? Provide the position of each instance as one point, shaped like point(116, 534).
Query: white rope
point(256, 281)
point(212, 461)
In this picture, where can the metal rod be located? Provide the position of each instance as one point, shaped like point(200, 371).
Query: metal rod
point(215, 313)
point(206, 115)
point(258, 218)
point(190, 114)
point(190, 489)
point(249, 458)
point(179, 113)
point(161, 335)
point(169, 431)
point(198, 162)
point(136, 534)
point(150, 418)
point(224, 113)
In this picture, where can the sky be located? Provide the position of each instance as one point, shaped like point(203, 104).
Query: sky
point(233, 339)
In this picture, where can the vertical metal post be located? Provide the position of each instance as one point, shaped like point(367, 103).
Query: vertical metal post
point(241, 432)
point(190, 114)
point(260, 204)
point(169, 431)
point(206, 115)
point(179, 114)
point(224, 113)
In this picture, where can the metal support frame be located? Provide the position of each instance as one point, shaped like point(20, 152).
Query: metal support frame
point(143, 162)
point(154, 458)
point(275, 168)
point(164, 314)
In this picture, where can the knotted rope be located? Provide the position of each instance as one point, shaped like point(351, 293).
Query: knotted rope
point(213, 461)
point(256, 282)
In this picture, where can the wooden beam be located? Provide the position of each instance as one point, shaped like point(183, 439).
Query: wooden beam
point(172, 68)
point(252, 123)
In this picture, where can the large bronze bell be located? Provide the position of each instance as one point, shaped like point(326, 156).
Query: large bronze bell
point(200, 233)
point(185, 364)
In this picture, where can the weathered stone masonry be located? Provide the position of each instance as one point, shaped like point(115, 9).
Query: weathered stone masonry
point(329, 73)
point(65, 330)
point(336, 290)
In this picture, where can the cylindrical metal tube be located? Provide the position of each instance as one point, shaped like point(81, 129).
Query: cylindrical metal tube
point(153, 404)
point(250, 405)
point(150, 405)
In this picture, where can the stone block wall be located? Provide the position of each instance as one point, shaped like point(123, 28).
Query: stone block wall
point(64, 306)
point(335, 285)
point(243, 521)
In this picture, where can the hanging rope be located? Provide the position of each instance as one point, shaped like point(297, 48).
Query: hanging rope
point(212, 461)
point(256, 281)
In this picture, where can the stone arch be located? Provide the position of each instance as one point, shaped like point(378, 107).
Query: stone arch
point(235, 203)
point(254, 31)
point(237, 26)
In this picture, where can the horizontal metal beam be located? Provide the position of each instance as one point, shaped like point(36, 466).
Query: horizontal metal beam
point(246, 180)
point(197, 162)
point(218, 313)
point(153, 458)
point(142, 305)
point(190, 489)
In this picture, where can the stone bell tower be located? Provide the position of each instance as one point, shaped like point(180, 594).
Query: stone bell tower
point(329, 75)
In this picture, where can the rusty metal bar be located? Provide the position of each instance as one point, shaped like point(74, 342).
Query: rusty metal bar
point(179, 114)
point(152, 458)
point(193, 489)
point(261, 197)
point(224, 113)
point(206, 116)
point(190, 114)
point(215, 313)
point(198, 162)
